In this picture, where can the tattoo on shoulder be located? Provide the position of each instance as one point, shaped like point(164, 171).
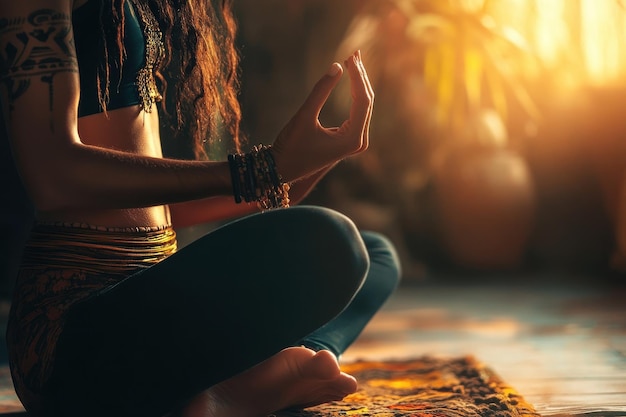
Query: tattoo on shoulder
point(38, 46)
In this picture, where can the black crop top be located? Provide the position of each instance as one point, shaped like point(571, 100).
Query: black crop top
point(132, 85)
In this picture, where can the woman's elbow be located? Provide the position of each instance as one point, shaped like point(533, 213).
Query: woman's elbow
point(47, 179)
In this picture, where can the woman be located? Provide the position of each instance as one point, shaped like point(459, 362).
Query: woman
point(107, 317)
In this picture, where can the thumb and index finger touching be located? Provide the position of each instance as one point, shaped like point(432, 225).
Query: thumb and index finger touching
point(362, 93)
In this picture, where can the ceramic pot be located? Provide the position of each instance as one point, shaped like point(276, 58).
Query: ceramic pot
point(486, 201)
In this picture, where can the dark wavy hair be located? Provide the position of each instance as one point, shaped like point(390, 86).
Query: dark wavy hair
point(200, 70)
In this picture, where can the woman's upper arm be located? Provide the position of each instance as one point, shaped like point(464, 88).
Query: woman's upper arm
point(39, 84)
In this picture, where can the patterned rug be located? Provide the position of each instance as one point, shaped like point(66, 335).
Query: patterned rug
point(424, 387)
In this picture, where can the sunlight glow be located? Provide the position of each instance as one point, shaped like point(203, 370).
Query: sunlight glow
point(603, 43)
point(583, 40)
point(550, 31)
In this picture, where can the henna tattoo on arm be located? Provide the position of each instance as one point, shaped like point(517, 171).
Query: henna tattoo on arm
point(35, 48)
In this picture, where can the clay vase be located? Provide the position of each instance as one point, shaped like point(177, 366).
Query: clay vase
point(486, 202)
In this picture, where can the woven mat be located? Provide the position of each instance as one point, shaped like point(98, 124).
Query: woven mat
point(424, 387)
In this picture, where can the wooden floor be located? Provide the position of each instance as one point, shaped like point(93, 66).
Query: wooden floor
point(563, 348)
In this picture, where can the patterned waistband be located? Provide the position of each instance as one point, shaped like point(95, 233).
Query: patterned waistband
point(97, 249)
point(80, 225)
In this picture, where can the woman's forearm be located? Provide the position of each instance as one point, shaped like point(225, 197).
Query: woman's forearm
point(84, 177)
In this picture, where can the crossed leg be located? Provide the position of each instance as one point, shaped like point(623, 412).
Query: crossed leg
point(299, 377)
point(205, 330)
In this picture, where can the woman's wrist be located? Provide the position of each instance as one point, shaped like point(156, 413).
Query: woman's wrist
point(255, 178)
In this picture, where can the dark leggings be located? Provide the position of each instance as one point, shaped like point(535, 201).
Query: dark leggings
point(222, 304)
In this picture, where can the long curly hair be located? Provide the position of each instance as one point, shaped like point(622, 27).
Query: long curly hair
point(200, 69)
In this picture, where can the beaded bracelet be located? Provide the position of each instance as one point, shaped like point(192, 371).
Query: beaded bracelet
point(255, 178)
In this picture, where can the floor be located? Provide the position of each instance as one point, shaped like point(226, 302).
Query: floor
point(562, 347)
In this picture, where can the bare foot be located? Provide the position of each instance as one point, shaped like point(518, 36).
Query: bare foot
point(294, 377)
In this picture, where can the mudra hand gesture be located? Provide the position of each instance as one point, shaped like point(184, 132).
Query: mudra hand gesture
point(304, 146)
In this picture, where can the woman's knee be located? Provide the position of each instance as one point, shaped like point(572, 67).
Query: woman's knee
point(317, 247)
point(336, 247)
point(384, 258)
point(323, 256)
point(331, 238)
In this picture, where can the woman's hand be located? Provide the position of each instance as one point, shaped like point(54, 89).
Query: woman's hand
point(304, 146)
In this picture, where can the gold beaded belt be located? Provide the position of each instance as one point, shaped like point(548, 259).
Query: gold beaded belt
point(97, 249)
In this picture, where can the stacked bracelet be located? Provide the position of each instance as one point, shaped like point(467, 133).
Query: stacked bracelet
point(255, 178)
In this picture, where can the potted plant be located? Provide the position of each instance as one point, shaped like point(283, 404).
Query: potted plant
point(461, 77)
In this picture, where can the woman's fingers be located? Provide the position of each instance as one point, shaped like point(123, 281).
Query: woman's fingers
point(371, 107)
point(366, 80)
point(362, 98)
point(369, 93)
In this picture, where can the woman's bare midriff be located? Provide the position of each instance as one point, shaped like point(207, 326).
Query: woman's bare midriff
point(129, 129)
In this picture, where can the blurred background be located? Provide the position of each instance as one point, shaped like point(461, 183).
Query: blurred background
point(497, 167)
point(498, 142)
point(498, 139)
